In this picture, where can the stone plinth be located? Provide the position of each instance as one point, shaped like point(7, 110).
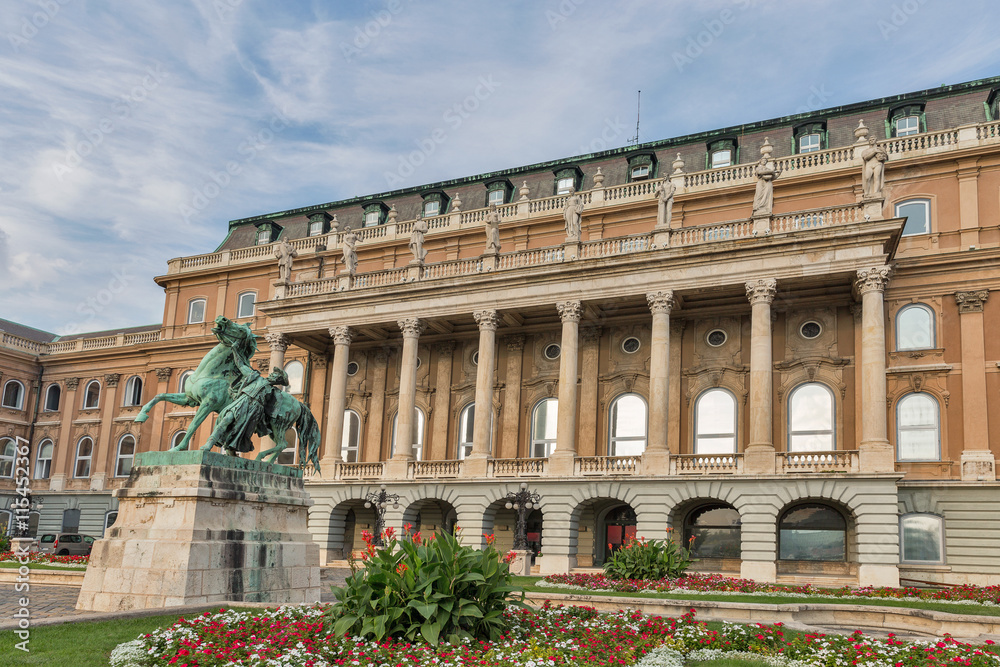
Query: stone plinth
point(199, 527)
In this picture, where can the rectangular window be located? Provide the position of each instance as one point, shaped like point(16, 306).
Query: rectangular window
point(495, 197)
point(246, 305)
point(907, 125)
point(640, 172)
point(316, 228)
point(71, 521)
point(918, 217)
point(566, 185)
point(264, 237)
point(196, 311)
point(809, 143)
point(722, 158)
point(371, 219)
point(432, 208)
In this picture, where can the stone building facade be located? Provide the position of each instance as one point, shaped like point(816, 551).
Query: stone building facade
point(802, 391)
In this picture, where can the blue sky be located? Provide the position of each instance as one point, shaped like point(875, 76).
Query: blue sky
point(118, 119)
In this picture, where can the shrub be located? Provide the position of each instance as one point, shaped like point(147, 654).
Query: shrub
point(432, 589)
point(4, 544)
point(648, 559)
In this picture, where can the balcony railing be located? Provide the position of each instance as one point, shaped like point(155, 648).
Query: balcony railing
point(434, 469)
point(607, 465)
point(838, 461)
point(121, 339)
point(706, 464)
point(516, 467)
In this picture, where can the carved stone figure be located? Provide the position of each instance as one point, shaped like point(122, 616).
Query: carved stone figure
point(664, 192)
point(349, 243)
point(873, 174)
point(572, 215)
point(285, 254)
point(763, 198)
point(493, 230)
point(417, 239)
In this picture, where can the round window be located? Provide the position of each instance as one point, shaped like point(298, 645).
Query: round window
point(552, 351)
point(475, 358)
point(810, 329)
point(353, 368)
point(630, 345)
point(716, 337)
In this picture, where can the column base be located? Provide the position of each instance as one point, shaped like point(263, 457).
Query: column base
point(556, 564)
point(978, 466)
point(571, 250)
point(759, 460)
point(876, 457)
point(762, 224)
point(57, 483)
point(764, 571)
point(396, 468)
point(873, 207)
point(656, 462)
point(878, 575)
point(661, 237)
point(561, 466)
point(475, 465)
point(328, 468)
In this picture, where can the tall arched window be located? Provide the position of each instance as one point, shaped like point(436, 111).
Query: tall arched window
point(182, 381)
point(126, 452)
point(715, 423)
point(13, 395)
point(812, 532)
point(92, 395)
point(915, 328)
point(351, 441)
point(713, 531)
point(418, 427)
point(196, 311)
point(52, 396)
point(295, 372)
point(84, 453)
point(43, 460)
point(544, 422)
point(811, 419)
point(133, 391)
point(918, 216)
point(466, 423)
point(918, 428)
point(8, 450)
point(627, 426)
point(246, 304)
point(176, 440)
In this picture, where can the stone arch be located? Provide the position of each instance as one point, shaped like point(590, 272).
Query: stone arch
point(501, 522)
point(331, 518)
point(850, 536)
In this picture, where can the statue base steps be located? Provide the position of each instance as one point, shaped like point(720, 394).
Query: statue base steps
point(199, 527)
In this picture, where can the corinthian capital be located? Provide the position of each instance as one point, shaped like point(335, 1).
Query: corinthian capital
point(111, 379)
point(71, 383)
point(761, 290)
point(487, 319)
point(163, 374)
point(411, 327)
point(277, 340)
point(341, 335)
point(570, 311)
point(661, 302)
point(971, 302)
point(874, 279)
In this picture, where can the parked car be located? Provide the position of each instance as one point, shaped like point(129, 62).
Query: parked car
point(66, 544)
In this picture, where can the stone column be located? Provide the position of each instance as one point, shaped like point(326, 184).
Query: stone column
point(405, 425)
point(875, 453)
point(511, 414)
point(758, 459)
point(674, 387)
point(562, 460)
point(277, 342)
point(106, 442)
point(64, 455)
point(156, 428)
point(342, 336)
point(376, 407)
point(440, 447)
point(978, 461)
point(589, 444)
point(475, 465)
point(655, 459)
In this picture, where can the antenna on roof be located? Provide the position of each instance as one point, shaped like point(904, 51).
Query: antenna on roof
point(638, 98)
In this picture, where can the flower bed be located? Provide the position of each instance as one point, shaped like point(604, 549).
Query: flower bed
point(549, 637)
point(46, 559)
point(714, 583)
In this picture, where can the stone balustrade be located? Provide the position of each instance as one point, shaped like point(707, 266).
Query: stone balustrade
point(837, 461)
point(706, 464)
point(121, 339)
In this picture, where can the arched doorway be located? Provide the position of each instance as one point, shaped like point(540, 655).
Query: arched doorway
point(348, 521)
point(712, 531)
point(502, 523)
point(429, 516)
point(602, 525)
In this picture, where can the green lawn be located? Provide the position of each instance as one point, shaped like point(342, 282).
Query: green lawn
point(530, 584)
point(45, 566)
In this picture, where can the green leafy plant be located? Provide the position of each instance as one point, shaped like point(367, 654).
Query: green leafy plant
point(4, 544)
point(435, 589)
point(648, 559)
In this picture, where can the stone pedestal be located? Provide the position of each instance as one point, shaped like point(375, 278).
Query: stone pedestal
point(199, 527)
point(978, 466)
point(521, 565)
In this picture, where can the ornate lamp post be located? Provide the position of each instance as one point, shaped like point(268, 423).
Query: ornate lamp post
point(380, 501)
point(522, 502)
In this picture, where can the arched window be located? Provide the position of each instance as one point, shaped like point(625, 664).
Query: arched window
point(812, 532)
point(92, 395)
point(715, 530)
point(715, 423)
point(921, 538)
point(126, 452)
point(544, 422)
point(246, 304)
point(351, 441)
point(627, 426)
point(8, 450)
point(295, 372)
point(133, 391)
point(109, 520)
point(176, 440)
point(13, 395)
point(466, 423)
point(84, 453)
point(52, 396)
point(915, 328)
point(918, 428)
point(810, 419)
point(918, 216)
point(418, 427)
point(182, 381)
point(43, 460)
point(196, 311)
